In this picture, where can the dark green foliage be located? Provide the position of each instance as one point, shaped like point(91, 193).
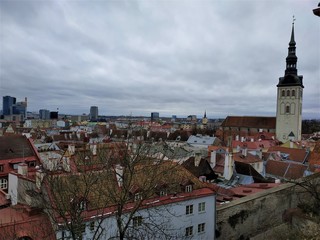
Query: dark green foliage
point(310, 126)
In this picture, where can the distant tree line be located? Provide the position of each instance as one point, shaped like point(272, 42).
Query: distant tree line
point(310, 126)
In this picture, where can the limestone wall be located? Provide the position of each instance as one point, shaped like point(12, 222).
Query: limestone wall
point(252, 215)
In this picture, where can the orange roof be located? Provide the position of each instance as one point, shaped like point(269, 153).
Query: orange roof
point(20, 221)
point(314, 160)
point(295, 154)
point(283, 169)
point(250, 122)
point(238, 157)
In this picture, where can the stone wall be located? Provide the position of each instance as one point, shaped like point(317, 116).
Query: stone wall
point(252, 215)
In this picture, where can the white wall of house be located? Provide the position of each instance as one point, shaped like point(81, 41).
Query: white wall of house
point(172, 219)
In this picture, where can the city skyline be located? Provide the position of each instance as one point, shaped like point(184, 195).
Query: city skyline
point(138, 57)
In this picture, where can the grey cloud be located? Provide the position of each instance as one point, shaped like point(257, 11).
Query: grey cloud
point(140, 56)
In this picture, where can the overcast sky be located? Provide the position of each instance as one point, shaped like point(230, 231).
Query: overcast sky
point(172, 57)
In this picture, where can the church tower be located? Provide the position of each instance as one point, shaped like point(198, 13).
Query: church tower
point(289, 98)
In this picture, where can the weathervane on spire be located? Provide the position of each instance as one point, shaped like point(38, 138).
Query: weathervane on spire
point(293, 19)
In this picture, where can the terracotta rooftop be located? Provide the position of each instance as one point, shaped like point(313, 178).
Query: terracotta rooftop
point(250, 122)
point(249, 158)
point(295, 154)
point(20, 221)
point(15, 146)
point(284, 169)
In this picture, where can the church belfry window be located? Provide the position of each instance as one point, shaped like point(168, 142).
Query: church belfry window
point(283, 93)
point(288, 109)
point(288, 93)
point(293, 93)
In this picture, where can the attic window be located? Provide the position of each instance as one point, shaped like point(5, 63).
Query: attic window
point(163, 193)
point(137, 197)
point(188, 188)
point(32, 164)
point(79, 204)
point(83, 205)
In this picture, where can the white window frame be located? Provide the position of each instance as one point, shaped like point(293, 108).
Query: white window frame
point(201, 227)
point(137, 221)
point(3, 183)
point(201, 207)
point(189, 231)
point(188, 188)
point(137, 197)
point(189, 209)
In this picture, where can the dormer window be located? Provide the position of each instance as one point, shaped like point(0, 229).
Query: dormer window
point(188, 188)
point(80, 204)
point(163, 193)
point(32, 164)
point(83, 205)
point(137, 197)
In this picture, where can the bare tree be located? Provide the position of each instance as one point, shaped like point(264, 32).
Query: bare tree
point(118, 180)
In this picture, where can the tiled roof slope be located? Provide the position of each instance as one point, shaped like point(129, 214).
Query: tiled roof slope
point(297, 155)
point(250, 122)
point(15, 146)
point(282, 169)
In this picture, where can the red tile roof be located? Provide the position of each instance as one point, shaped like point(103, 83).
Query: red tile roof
point(21, 221)
point(15, 146)
point(250, 122)
point(295, 154)
point(284, 169)
point(239, 157)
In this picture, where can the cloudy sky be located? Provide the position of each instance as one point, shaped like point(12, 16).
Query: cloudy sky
point(177, 57)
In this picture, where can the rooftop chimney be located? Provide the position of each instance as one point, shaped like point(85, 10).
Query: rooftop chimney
point(197, 159)
point(213, 159)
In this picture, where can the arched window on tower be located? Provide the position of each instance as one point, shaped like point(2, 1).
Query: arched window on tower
point(288, 93)
point(293, 93)
point(288, 109)
point(283, 93)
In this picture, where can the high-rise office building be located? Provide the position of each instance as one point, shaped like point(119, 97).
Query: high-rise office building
point(44, 114)
point(154, 116)
point(7, 105)
point(54, 115)
point(12, 107)
point(93, 113)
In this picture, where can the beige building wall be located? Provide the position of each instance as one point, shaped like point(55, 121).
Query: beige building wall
point(289, 112)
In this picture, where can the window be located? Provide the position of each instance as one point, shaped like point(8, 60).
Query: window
point(137, 197)
point(189, 231)
point(83, 205)
point(3, 183)
point(188, 188)
point(32, 164)
point(293, 93)
point(201, 207)
point(137, 221)
point(201, 227)
point(1, 168)
point(287, 109)
point(91, 226)
point(163, 193)
point(283, 93)
point(288, 93)
point(189, 209)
